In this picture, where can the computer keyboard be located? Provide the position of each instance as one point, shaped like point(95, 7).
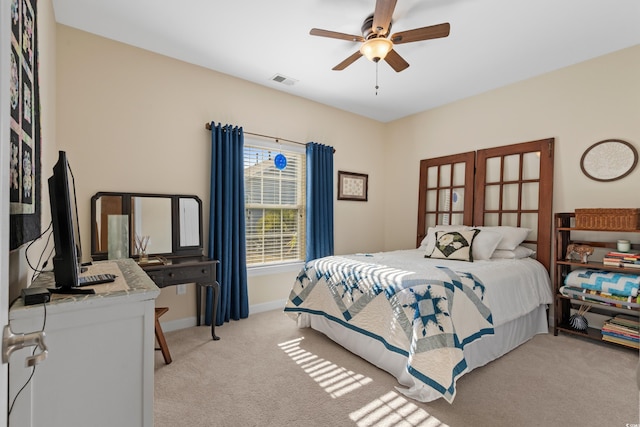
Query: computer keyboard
point(96, 279)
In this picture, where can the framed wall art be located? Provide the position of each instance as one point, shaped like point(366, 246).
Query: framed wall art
point(24, 158)
point(609, 160)
point(353, 186)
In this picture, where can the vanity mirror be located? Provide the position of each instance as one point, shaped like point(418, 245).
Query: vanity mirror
point(169, 229)
point(172, 223)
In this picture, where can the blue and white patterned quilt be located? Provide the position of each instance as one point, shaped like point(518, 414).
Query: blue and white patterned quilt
point(604, 281)
point(426, 318)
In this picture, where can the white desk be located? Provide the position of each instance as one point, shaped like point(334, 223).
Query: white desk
point(100, 367)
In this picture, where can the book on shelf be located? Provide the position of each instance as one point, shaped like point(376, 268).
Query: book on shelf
point(626, 343)
point(622, 329)
point(622, 326)
point(623, 254)
point(620, 336)
point(630, 265)
point(625, 320)
point(620, 332)
point(616, 262)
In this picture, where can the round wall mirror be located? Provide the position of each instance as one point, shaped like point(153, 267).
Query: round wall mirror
point(609, 160)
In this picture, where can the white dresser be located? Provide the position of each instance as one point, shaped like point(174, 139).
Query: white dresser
point(100, 366)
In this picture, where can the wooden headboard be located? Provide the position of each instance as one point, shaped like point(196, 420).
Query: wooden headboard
point(508, 185)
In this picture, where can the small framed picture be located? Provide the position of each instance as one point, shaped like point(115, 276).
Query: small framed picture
point(352, 186)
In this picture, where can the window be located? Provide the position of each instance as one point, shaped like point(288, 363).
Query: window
point(274, 204)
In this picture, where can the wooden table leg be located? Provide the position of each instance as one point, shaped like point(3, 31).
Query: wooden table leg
point(198, 302)
point(216, 294)
point(162, 342)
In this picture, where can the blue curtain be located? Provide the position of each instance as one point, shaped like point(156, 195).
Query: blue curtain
point(319, 201)
point(226, 224)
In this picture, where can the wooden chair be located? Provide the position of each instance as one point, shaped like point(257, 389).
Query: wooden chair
point(162, 342)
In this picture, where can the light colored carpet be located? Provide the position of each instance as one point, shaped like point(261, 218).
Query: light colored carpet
point(266, 372)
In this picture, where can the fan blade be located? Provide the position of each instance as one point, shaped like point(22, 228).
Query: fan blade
point(424, 33)
point(350, 60)
point(396, 61)
point(335, 35)
point(382, 16)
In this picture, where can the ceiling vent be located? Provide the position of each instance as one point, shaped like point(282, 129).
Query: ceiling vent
point(279, 78)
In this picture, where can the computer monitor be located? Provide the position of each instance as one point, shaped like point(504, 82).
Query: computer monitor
point(66, 230)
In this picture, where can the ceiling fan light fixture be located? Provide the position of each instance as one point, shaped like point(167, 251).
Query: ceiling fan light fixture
point(376, 48)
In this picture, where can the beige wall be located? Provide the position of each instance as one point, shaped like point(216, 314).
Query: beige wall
point(578, 106)
point(132, 120)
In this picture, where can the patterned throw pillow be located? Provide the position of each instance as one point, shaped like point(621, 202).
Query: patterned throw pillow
point(454, 245)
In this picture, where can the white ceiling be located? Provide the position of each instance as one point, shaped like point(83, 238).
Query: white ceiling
point(492, 43)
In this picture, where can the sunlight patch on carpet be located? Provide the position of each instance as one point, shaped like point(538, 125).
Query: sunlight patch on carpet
point(335, 380)
point(393, 410)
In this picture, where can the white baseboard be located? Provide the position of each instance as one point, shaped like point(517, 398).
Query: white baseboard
point(267, 306)
point(174, 325)
point(188, 322)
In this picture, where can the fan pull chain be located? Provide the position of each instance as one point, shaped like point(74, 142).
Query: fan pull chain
point(377, 62)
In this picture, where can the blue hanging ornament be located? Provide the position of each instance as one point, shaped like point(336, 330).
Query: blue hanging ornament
point(280, 161)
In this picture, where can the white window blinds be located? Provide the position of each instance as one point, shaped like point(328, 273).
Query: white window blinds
point(274, 205)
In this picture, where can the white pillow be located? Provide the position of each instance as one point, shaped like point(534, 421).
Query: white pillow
point(517, 253)
point(429, 241)
point(511, 236)
point(484, 244)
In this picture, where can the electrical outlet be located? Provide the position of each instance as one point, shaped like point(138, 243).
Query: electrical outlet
point(181, 289)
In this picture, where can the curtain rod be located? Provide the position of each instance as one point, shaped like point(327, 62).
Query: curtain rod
point(208, 127)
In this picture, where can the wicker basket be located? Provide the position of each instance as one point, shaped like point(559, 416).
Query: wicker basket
point(608, 219)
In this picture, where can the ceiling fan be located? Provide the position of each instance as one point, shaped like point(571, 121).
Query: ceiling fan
point(375, 39)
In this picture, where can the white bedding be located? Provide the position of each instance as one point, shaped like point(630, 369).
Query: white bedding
point(514, 287)
point(516, 292)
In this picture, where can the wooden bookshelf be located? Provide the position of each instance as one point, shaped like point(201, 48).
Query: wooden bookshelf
point(563, 305)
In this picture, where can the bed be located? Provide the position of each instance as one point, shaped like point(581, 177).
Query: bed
point(466, 295)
